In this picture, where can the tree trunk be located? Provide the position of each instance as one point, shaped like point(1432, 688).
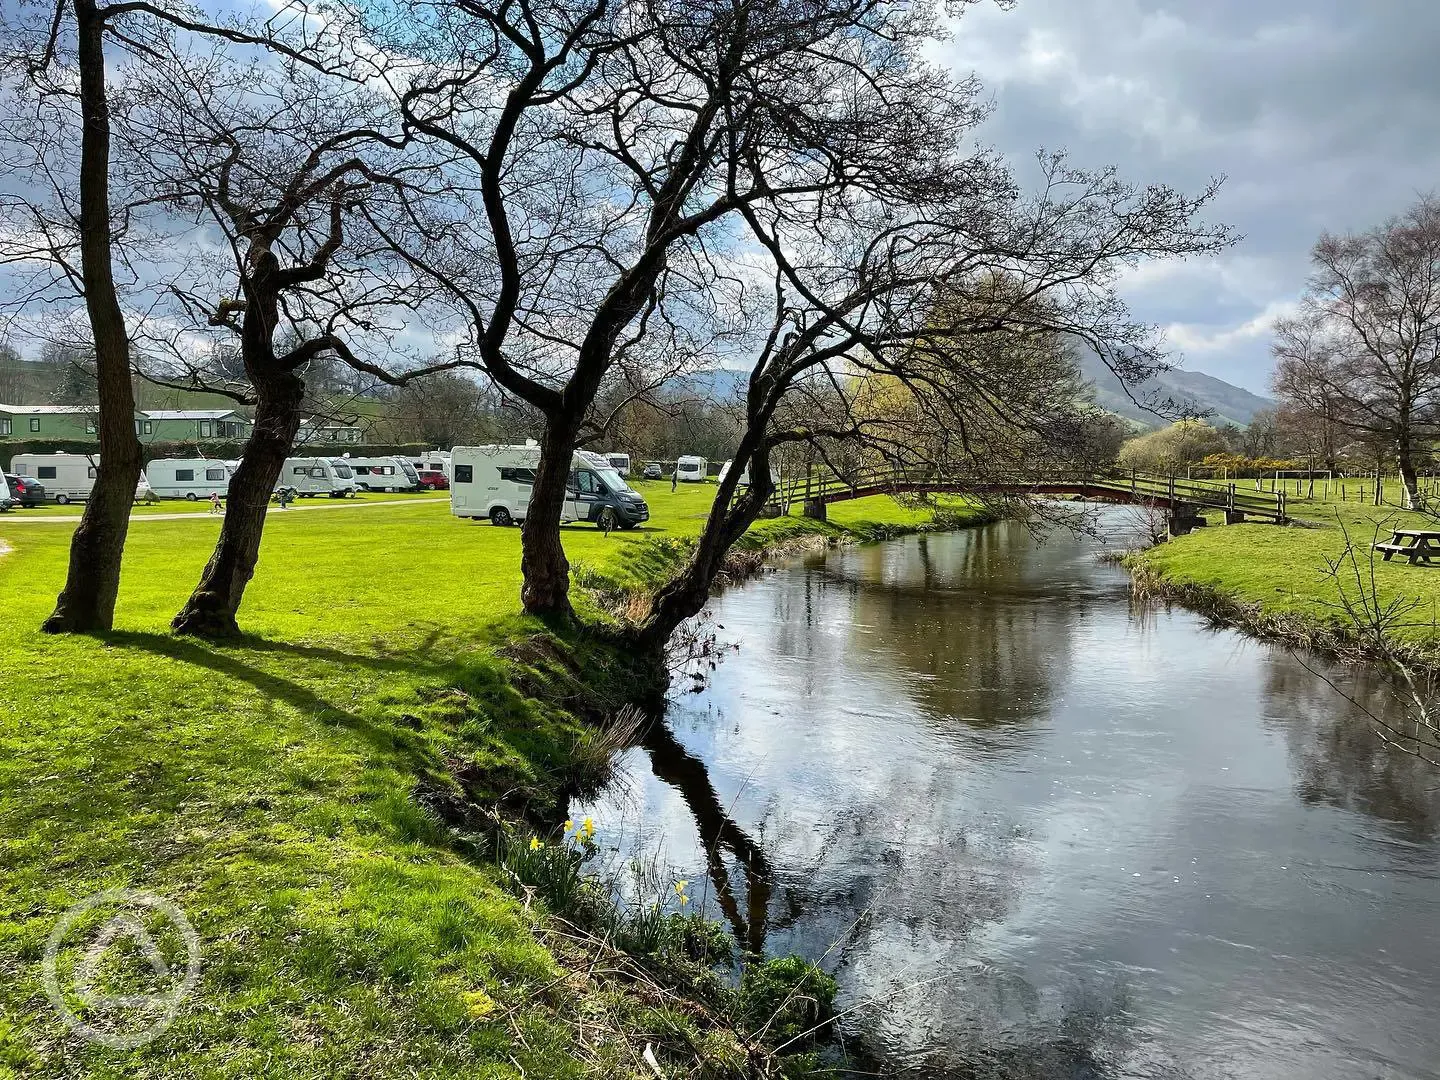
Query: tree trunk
point(1407, 475)
point(546, 586)
point(92, 583)
point(212, 607)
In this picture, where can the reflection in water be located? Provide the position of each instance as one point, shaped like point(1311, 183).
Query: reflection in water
point(1048, 835)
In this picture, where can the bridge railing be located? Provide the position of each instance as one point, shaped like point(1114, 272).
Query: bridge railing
point(1172, 490)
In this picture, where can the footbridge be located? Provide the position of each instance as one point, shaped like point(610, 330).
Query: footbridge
point(1183, 500)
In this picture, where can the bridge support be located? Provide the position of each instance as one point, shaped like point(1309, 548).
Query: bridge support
point(1234, 517)
point(815, 509)
point(1184, 517)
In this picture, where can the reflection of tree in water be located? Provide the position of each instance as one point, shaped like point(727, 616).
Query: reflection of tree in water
point(1337, 759)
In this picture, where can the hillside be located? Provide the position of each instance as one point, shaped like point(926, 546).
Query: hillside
point(1193, 390)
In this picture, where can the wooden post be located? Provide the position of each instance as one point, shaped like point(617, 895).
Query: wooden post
point(1280, 506)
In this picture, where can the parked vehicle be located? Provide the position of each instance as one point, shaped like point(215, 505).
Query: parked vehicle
point(744, 480)
point(25, 491)
point(384, 474)
point(495, 482)
point(5, 501)
point(71, 476)
point(318, 476)
point(690, 469)
point(433, 461)
point(189, 478)
point(434, 481)
point(619, 462)
point(653, 471)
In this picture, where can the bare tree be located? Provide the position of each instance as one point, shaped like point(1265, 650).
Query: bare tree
point(272, 155)
point(1366, 342)
point(61, 230)
point(609, 153)
point(963, 310)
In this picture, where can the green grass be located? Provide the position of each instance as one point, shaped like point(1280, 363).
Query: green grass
point(287, 791)
point(1283, 569)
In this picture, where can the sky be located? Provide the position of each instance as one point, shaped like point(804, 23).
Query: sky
point(1320, 114)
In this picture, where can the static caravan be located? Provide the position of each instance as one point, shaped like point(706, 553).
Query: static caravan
point(690, 469)
point(384, 473)
point(67, 478)
point(494, 483)
point(619, 462)
point(318, 476)
point(189, 478)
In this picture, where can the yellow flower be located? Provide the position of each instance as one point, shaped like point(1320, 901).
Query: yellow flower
point(535, 844)
point(587, 827)
point(569, 824)
point(684, 899)
point(680, 886)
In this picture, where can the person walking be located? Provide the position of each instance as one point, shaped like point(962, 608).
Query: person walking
point(216, 507)
point(674, 479)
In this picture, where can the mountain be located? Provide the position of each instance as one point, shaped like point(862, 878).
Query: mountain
point(1195, 391)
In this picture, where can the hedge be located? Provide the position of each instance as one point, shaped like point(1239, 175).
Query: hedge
point(214, 449)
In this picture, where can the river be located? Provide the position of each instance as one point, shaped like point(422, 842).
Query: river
point(1036, 830)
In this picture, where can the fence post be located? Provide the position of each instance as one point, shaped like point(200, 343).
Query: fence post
point(1280, 507)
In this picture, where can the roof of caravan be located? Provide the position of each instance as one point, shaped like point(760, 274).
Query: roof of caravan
point(51, 410)
point(189, 414)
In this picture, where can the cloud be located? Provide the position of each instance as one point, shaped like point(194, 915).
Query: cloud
point(1321, 114)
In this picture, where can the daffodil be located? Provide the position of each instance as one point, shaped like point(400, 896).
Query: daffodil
point(680, 886)
point(569, 824)
point(587, 827)
point(684, 899)
point(535, 844)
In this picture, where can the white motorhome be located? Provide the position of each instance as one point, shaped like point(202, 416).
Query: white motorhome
point(494, 483)
point(5, 501)
point(619, 462)
point(690, 469)
point(189, 478)
point(384, 473)
point(318, 476)
point(68, 478)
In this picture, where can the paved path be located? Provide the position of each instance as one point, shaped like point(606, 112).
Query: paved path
point(18, 517)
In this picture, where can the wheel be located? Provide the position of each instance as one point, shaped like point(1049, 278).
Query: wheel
point(501, 516)
point(63, 500)
point(190, 496)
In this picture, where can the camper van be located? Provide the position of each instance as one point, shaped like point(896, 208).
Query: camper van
point(690, 469)
point(189, 478)
point(318, 476)
point(68, 477)
point(494, 483)
point(384, 474)
point(619, 462)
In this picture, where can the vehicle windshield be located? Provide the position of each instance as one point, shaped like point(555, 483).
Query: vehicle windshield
point(342, 471)
point(613, 480)
point(408, 469)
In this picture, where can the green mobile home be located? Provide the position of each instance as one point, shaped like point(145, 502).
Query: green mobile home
point(48, 421)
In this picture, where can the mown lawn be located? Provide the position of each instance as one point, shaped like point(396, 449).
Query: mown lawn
point(1284, 569)
point(283, 791)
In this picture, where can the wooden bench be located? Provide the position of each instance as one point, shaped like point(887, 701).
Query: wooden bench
point(1417, 545)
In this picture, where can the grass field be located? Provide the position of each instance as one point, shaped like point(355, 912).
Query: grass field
point(280, 790)
point(1283, 569)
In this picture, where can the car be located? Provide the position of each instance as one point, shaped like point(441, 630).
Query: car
point(25, 490)
point(434, 481)
point(653, 471)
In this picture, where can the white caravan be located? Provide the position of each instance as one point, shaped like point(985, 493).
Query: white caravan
point(318, 476)
point(690, 469)
point(189, 478)
point(619, 462)
point(384, 473)
point(745, 476)
point(5, 501)
point(433, 461)
point(67, 478)
point(495, 482)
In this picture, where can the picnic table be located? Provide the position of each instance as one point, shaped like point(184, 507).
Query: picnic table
point(1417, 545)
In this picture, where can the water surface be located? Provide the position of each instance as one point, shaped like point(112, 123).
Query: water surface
point(1045, 832)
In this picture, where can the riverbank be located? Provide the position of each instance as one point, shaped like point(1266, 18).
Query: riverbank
point(1275, 584)
point(314, 797)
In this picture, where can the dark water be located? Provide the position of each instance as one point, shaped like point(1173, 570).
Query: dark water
point(1049, 833)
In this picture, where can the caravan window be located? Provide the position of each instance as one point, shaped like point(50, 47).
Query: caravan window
point(91, 472)
point(318, 471)
point(215, 474)
point(45, 472)
point(363, 470)
point(464, 473)
point(301, 470)
point(184, 474)
point(518, 476)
